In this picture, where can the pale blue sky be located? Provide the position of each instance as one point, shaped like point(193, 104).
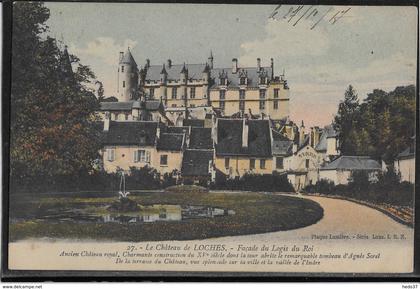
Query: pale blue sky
point(370, 47)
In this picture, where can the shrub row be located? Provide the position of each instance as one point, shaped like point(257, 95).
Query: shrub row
point(386, 189)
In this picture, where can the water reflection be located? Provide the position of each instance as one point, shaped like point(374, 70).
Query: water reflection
point(148, 214)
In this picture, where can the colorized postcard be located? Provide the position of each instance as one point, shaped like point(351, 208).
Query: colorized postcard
point(218, 138)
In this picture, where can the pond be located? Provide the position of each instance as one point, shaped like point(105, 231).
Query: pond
point(146, 214)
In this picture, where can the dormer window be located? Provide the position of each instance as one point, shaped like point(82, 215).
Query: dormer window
point(263, 80)
point(122, 68)
point(222, 78)
point(243, 77)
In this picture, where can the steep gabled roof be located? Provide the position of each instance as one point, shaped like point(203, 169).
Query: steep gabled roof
point(352, 163)
point(233, 78)
point(200, 138)
point(170, 142)
point(193, 122)
point(229, 138)
point(128, 58)
point(195, 71)
point(141, 133)
point(196, 162)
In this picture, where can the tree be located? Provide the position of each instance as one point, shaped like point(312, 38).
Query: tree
point(53, 128)
point(346, 119)
point(100, 91)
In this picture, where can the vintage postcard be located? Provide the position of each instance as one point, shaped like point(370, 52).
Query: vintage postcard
point(212, 138)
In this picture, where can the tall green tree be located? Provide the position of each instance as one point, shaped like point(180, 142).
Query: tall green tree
point(53, 127)
point(381, 126)
point(345, 120)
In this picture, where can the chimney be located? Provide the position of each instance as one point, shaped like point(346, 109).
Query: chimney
point(301, 134)
point(258, 64)
point(234, 65)
point(294, 148)
point(106, 121)
point(214, 130)
point(245, 129)
point(169, 63)
point(316, 136)
point(158, 131)
point(121, 55)
point(272, 68)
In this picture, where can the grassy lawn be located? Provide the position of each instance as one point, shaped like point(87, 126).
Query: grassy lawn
point(254, 213)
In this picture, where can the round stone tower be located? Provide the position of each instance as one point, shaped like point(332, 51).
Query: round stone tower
point(127, 77)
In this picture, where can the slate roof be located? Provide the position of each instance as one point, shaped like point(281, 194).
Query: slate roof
point(113, 106)
point(233, 78)
point(177, 129)
point(153, 105)
point(150, 105)
point(200, 138)
point(128, 58)
point(407, 153)
point(352, 163)
point(229, 138)
point(141, 133)
point(170, 142)
point(193, 122)
point(195, 71)
point(196, 162)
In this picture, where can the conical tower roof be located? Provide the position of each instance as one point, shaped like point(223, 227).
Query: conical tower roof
point(128, 58)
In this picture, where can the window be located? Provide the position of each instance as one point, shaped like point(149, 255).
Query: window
point(262, 164)
point(307, 163)
point(262, 93)
point(222, 94)
point(141, 156)
point(110, 154)
point(262, 104)
point(279, 163)
point(152, 92)
point(241, 94)
point(276, 104)
point(242, 81)
point(222, 105)
point(242, 105)
point(164, 160)
point(227, 160)
point(192, 92)
point(174, 90)
point(263, 80)
point(276, 93)
point(252, 164)
point(173, 104)
point(122, 68)
point(123, 83)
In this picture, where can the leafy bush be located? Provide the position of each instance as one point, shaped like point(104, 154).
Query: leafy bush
point(252, 182)
point(387, 188)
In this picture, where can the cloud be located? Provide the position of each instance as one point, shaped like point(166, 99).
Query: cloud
point(283, 40)
point(104, 48)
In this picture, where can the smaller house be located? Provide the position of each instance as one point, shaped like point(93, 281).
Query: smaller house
point(170, 148)
point(405, 163)
point(145, 110)
point(243, 146)
point(340, 170)
point(280, 149)
point(197, 166)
